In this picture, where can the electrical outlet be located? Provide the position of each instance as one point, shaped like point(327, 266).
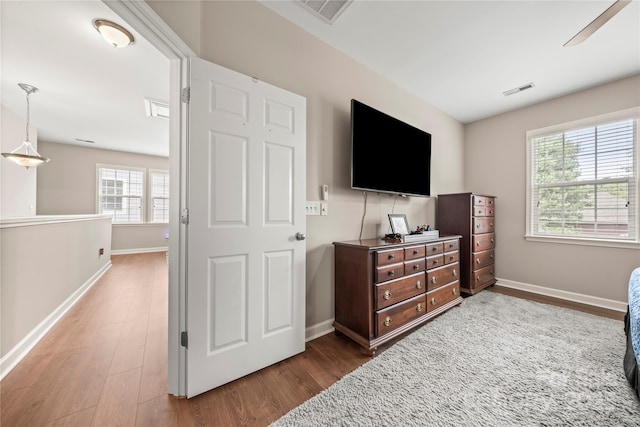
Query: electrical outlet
point(101, 251)
point(312, 208)
point(324, 208)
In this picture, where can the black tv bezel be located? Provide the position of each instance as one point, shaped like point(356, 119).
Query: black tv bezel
point(400, 122)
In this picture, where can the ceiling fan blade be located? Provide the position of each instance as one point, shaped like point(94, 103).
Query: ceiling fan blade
point(597, 23)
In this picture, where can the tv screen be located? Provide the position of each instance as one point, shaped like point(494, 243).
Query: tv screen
point(388, 155)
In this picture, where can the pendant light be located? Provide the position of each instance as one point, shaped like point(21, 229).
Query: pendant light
point(25, 155)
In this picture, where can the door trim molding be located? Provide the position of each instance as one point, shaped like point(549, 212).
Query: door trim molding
point(151, 27)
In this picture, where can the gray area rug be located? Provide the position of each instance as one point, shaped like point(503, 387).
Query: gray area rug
point(493, 361)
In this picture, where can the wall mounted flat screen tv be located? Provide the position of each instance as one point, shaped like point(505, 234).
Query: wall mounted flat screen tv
point(387, 154)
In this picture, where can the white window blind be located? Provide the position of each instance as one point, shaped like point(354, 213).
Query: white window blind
point(120, 193)
point(583, 182)
point(159, 194)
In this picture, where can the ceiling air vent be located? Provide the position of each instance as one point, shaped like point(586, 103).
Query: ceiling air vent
point(518, 89)
point(328, 10)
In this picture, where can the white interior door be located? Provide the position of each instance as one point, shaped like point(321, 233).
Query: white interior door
point(246, 196)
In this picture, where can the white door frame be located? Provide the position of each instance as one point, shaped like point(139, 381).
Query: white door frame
point(149, 25)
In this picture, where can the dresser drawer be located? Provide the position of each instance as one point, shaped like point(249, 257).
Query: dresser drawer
point(389, 272)
point(400, 314)
point(393, 292)
point(451, 257)
point(435, 248)
point(483, 225)
point(442, 276)
point(483, 201)
point(414, 266)
point(434, 262)
point(414, 252)
point(482, 242)
point(437, 298)
point(482, 276)
point(483, 259)
point(451, 245)
point(389, 257)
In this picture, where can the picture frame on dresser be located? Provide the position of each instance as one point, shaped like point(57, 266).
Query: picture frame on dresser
point(399, 224)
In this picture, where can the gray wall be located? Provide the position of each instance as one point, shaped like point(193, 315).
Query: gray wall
point(495, 164)
point(67, 185)
point(251, 39)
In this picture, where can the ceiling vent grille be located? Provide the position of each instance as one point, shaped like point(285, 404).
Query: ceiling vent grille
point(518, 89)
point(327, 10)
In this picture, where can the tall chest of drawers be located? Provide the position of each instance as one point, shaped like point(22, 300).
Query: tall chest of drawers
point(383, 289)
point(473, 217)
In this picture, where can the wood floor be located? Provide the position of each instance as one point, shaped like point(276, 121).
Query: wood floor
point(105, 364)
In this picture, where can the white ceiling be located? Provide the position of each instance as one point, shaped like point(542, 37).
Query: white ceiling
point(457, 55)
point(460, 56)
point(88, 89)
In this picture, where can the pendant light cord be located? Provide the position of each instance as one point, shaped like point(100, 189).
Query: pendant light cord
point(28, 116)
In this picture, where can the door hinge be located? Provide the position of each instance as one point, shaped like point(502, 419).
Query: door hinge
point(184, 217)
point(184, 339)
point(186, 95)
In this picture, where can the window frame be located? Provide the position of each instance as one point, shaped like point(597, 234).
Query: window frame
point(146, 198)
point(150, 196)
point(530, 235)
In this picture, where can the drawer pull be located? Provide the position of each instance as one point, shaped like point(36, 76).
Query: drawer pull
point(419, 308)
point(418, 284)
point(387, 321)
point(454, 291)
point(477, 260)
point(491, 224)
point(387, 295)
point(392, 273)
point(434, 280)
point(477, 278)
point(433, 301)
point(491, 256)
point(392, 256)
point(455, 273)
point(493, 240)
point(435, 262)
point(435, 249)
point(451, 258)
point(416, 252)
point(477, 225)
point(492, 271)
point(477, 243)
point(416, 266)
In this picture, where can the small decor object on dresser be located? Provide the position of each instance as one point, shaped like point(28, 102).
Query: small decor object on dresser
point(384, 288)
point(473, 217)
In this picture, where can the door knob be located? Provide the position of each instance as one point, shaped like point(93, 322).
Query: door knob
point(300, 236)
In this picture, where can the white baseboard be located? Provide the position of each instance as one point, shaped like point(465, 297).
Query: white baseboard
point(20, 350)
point(318, 330)
point(565, 295)
point(138, 251)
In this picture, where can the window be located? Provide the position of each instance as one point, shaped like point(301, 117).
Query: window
point(159, 193)
point(122, 193)
point(583, 180)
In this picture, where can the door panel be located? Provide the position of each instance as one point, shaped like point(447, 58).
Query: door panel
point(246, 196)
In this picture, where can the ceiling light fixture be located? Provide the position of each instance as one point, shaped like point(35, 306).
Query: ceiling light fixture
point(518, 89)
point(114, 34)
point(30, 158)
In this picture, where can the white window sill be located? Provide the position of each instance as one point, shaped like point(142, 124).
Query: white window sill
point(628, 244)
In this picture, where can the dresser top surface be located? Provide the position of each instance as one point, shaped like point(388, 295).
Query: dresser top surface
point(373, 244)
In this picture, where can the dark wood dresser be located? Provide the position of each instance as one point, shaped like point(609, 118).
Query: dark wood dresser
point(383, 288)
point(473, 217)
